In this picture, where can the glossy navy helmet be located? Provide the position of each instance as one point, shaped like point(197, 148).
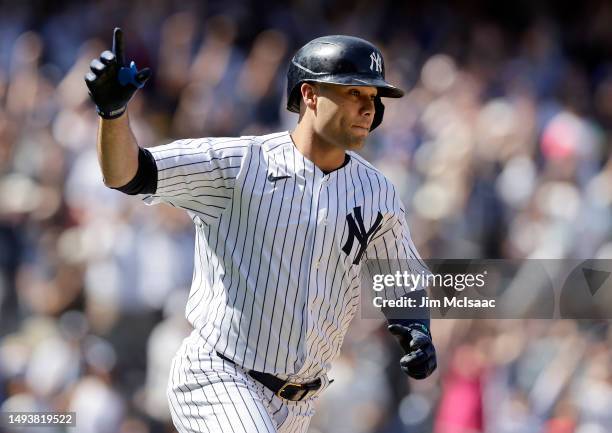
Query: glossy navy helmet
point(343, 60)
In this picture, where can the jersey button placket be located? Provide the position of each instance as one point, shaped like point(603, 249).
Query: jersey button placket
point(322, 197)
point(321, 216)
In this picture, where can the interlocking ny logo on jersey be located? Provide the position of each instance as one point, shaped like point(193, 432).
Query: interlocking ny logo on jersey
point(375, 62)
point(357, 230)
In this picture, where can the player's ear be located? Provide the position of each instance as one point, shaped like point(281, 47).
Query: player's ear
point(309, 95)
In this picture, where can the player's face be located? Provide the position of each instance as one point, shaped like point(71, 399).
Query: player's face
point(344, 114)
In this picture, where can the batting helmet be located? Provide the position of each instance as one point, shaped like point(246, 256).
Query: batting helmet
point(343, 60)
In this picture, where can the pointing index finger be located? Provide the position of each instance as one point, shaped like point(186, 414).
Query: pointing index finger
point(118, 46)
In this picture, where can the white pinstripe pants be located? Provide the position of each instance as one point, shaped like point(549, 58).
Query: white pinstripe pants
point(207, 394)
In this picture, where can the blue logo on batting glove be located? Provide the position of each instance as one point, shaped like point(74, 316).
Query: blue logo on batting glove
point(128, 76)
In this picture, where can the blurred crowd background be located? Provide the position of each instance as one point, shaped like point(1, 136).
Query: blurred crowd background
point(501, 149)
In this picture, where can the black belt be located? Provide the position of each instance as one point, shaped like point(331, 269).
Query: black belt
point(282, 388)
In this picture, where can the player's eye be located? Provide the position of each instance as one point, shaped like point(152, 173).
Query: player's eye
point(355, 92)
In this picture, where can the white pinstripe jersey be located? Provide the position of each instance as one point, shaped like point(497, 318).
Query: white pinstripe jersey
point(279, 246)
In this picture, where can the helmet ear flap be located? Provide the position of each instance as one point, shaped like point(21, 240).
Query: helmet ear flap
point(293, 101)
point(379, 111)
point(295, 96)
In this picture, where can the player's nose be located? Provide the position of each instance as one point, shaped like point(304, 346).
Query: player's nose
point(368, 108)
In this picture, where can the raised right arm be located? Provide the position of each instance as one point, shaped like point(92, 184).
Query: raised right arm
point(111, 86)
point(117, 151)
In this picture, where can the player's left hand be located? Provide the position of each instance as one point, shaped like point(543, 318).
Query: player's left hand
point(420, 358)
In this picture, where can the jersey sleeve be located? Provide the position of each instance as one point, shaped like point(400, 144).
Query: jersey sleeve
point(198, 175)
point(392, 251)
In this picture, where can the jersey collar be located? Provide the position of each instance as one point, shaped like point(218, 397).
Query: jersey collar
point(307, 165)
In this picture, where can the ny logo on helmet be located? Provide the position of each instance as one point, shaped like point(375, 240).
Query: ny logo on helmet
point(376, 62)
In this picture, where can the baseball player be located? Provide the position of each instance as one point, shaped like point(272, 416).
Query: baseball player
point(284, 223)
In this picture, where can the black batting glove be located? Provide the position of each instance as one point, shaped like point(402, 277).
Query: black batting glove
point(420, 358)
point(111, 83)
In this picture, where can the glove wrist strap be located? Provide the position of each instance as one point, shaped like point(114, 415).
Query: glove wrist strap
point(420, 327)
point(111, 114)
